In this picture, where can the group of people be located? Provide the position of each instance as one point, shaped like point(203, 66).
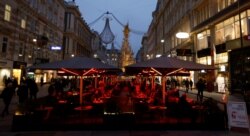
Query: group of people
point(188, 84)
point(25, 90)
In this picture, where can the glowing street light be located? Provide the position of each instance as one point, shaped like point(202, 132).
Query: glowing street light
point(182, 35)
point(34, 40)
point(163, 41)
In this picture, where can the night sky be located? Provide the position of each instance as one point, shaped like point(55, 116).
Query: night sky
point(138, 13)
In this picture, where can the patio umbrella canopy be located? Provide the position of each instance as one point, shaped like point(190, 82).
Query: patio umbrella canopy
point(79, 66)
point(165, 65)
point(76, 64)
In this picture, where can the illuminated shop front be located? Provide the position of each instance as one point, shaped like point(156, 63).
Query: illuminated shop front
point(19, 70)
point(221, 62)
point(220, 45)
point(46, 75)
point(231, 58)
point(4, 73)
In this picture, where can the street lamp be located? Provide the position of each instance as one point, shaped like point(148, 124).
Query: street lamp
point(163, 41)
point(34, 40)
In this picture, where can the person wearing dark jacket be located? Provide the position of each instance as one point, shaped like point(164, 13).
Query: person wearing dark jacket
point(22, 92)
point(33, 88)
point(7, 94)
point(200, 85)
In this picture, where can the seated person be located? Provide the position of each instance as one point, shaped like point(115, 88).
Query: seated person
point(96, 97)
point(107, 93)
point(139, 94)
point(185, 109)
point(51, 98)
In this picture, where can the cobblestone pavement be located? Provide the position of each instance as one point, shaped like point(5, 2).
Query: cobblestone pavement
point(5, 123)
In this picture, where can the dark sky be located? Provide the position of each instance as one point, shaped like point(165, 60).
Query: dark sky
point(138, 13)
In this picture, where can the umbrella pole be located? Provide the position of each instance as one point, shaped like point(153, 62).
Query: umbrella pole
point(95, 81)
point(163, 89)
point(153, 82)
point(81, 89)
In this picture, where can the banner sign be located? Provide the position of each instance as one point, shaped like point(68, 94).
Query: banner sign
point(54, 47)
point(237, 115)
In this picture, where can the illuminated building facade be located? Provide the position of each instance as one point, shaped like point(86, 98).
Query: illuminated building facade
point(218, 35)
point(28, 29)
point(77, 38)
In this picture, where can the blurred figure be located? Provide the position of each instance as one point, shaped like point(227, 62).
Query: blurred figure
point(187, 85)
point(96, 97)
point(33, 88)
point(7, 94)
point(191, 84)
point(22, 92)
point(41, 81)
point(200, 85)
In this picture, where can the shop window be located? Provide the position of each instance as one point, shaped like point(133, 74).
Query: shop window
point(219, 36)
point(203, 40)
point(244, 26)
point(205, 60)
point(229, 32)
point(237, 29)
point(221, 58)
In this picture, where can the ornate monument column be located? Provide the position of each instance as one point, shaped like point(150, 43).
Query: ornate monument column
point(127, 55)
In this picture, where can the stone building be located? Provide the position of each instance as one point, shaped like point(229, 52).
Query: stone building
point(77, 38)
point(28, 30)
point(217, 33)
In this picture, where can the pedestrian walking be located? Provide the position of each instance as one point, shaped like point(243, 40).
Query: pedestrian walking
point(191, 84)
point(7, 95)
point(33, 88)
point(41, 81)
point(187, 85)
point(22, 92)
point(200, 85)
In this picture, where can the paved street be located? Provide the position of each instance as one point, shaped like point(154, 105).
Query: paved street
point(5, 123)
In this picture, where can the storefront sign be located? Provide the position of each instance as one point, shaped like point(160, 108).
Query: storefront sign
point(54, 47)
point(237, 115)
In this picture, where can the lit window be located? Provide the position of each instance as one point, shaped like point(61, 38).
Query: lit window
point(7, 13)
point(23, 24)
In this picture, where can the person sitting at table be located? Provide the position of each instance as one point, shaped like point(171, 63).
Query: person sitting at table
point(96, 97)
point(185, 109)
point(51, 98)
point(101, 86)
point(151, 98)
point(138, 93)
point(108, 92)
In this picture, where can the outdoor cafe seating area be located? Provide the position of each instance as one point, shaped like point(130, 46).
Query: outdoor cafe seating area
point(120, 105)
point(135, 101)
